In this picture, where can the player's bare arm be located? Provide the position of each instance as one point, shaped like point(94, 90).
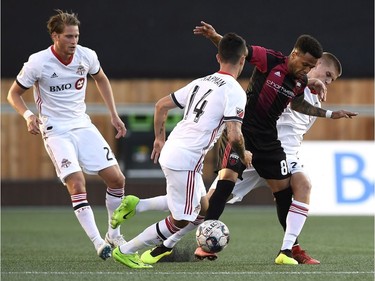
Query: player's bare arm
point(161, 112)
point(15, 99)
point(237, 142)
point(209, 32)
point(301, 105)
point(105, 90)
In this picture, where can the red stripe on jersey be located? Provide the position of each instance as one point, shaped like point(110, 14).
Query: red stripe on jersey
point(39, 98)
point(226, 156)
point(214, 133)
point(199, 165)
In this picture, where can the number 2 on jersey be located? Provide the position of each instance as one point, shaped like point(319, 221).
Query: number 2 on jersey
point(199, 107)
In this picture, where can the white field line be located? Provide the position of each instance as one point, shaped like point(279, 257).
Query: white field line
point(151, 272)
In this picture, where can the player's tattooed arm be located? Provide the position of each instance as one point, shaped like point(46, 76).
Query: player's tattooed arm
point(239, 147)
point(301, 105)
point(162, 129)
point(235, 138)
point(160, 115)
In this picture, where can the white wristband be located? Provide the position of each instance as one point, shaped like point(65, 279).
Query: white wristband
point(328, 113)
point(27, 114)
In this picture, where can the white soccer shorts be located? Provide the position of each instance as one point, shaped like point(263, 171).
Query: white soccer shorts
point(184, 192)
point(81, 149)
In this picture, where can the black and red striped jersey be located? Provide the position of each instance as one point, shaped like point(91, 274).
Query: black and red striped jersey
point(270, 90)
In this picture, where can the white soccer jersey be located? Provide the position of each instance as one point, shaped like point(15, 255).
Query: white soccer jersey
point(292, 125)
point(59, 89)
point(209, 102)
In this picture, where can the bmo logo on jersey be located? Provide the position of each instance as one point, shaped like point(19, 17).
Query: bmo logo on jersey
point(58, 88)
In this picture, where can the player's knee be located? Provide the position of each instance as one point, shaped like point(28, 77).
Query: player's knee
point(75, 183)
point(305, 188)
point(118, 181)
point(76, 186)
point(302, 192)
point(113, 177)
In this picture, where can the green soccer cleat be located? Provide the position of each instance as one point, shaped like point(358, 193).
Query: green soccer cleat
point(285, 257)
point(125, 211)
point(154, 255)
point(130, 260)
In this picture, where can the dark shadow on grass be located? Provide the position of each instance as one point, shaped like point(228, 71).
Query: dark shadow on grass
point(182, 252)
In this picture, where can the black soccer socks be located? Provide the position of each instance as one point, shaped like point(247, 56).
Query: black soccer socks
point(218, 199)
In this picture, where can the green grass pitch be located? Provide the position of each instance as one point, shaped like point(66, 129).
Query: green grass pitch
point(47, 243)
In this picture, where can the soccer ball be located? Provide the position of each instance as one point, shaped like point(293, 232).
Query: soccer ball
point(212, 236)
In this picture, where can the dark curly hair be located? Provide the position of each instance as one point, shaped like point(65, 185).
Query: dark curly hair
point(308, 44)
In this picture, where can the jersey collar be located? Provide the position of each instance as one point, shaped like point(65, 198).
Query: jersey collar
point(59, 58)
point(223, 72)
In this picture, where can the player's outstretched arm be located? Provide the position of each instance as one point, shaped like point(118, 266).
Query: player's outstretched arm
point(343, 114)
point(209, 32)
point(301, 105)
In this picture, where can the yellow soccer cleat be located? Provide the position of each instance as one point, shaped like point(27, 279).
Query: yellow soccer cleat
point(285, 257)
point(130, 260)
point(154, 255)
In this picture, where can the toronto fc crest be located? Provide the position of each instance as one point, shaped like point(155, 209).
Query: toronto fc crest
point(80, 70)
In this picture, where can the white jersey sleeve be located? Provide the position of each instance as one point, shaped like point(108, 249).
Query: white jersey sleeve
point(31, 71)
point(292, 125)
point(208, 102)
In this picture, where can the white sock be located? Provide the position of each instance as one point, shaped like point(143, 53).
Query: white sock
point(113, 199)
point(151, 236)
point(158, 203)
point(175, 238)
point(86, 218)
point(295, 220)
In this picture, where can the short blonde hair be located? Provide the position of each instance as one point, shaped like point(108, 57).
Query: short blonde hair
point(330, 58)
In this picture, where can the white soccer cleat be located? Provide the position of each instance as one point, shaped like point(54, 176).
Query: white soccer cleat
point(104, 251)
point(116, 241)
